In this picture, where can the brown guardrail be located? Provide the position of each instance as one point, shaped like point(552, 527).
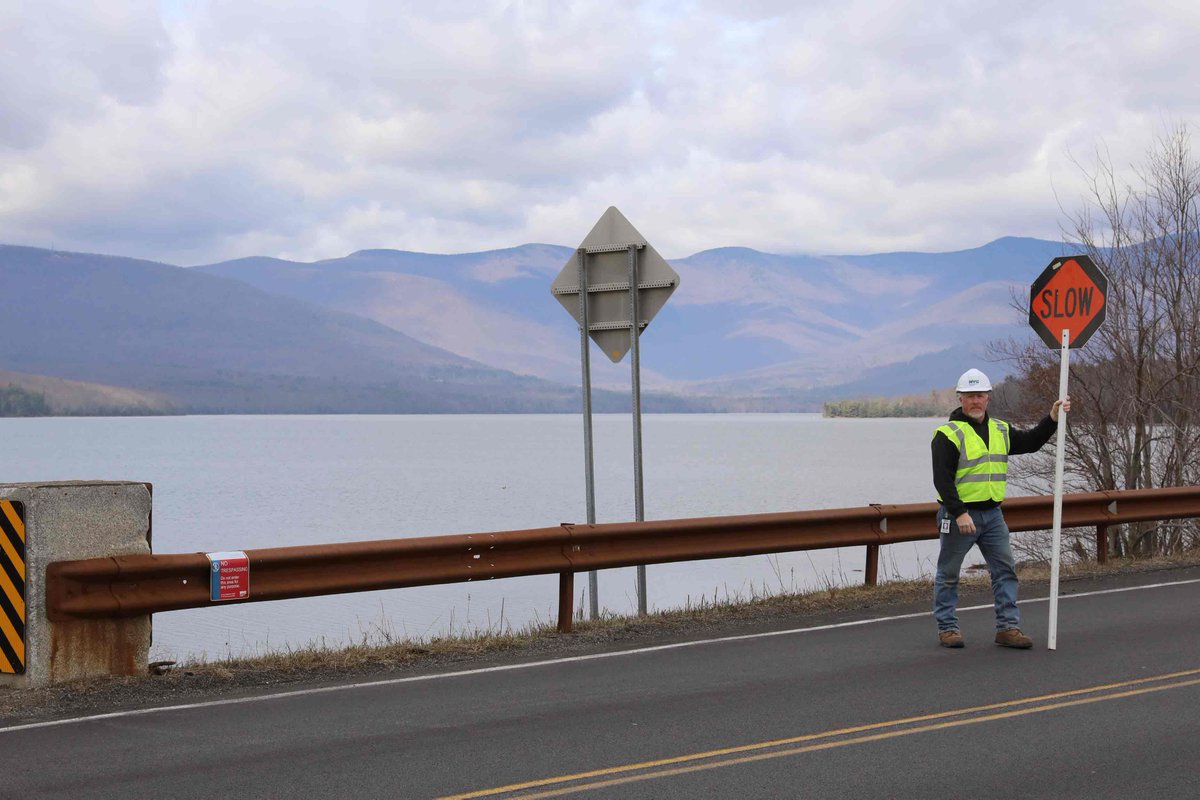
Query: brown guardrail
point(121, 586)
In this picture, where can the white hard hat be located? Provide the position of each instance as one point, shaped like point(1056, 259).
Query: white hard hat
point(973, 381)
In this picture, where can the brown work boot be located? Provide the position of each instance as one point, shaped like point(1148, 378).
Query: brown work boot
point(1012, 637)
point(950, 639)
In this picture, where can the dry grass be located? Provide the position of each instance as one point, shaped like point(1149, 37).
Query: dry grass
point(382, 649)
point(370, 653)
point(79, 397)
point(1040, 571)
point(383, 652)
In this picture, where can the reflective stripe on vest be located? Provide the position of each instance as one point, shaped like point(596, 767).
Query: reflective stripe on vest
point(982, 468)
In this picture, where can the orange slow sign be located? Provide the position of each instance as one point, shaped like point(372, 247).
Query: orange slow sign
point(1069, 295)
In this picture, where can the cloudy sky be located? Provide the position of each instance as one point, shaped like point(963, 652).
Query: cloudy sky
point(191, 131)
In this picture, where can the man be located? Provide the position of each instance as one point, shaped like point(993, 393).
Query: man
point(970, 467)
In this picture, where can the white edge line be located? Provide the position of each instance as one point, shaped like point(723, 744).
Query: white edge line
point(549, 662)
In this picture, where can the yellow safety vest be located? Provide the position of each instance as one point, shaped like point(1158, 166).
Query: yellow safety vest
point(982, 468)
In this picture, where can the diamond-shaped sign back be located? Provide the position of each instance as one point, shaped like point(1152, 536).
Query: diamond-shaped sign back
point(606, 257)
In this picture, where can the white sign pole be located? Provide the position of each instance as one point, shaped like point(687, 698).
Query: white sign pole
point(1059, 458)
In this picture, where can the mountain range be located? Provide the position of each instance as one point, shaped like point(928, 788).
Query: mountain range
point(397, 331)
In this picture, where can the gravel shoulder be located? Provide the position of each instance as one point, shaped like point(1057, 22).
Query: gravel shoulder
point(313, 667)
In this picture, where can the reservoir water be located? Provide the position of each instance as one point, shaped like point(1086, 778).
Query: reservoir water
point(240, 482)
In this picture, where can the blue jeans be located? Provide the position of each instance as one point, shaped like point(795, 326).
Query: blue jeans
point(991, 534)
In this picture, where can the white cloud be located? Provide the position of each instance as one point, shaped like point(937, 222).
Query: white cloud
point(62, 63)
point(196, 131)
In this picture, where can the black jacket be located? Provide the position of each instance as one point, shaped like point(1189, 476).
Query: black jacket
point(945, 456)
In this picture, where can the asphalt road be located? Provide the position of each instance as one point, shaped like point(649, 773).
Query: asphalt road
point(860, 708)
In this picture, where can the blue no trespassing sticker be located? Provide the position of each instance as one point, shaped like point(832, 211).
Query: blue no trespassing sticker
point(229, 578)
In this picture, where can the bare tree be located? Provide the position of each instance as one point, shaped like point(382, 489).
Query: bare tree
point(1135, 387)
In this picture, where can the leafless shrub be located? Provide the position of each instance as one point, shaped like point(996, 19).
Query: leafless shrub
point(1135, 387)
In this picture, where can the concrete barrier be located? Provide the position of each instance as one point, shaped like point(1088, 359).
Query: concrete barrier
point(68, 520)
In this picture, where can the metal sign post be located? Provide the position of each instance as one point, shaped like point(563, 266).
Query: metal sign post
point(615, 286)
point(588, 462)
point(1066, 306)
point(636, 381)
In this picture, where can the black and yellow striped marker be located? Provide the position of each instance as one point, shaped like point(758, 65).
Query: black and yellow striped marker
point(12, 587)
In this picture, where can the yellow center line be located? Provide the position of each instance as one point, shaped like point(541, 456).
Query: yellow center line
point(843, 742)
point(777, 743)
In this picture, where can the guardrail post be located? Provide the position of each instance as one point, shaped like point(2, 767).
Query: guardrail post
point(871, 573)
point(566, 601)
point(61, 521)
point(1101, 544)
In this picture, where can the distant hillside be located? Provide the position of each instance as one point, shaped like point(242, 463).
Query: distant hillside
point(756, 330)
point(76, 398)
point(394, 331)
point(215, 345)
point(830, 327)
point(493, 307)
